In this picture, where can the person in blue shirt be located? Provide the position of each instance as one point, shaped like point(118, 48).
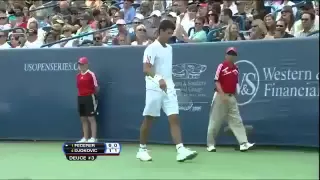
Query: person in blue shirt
point(129, 11)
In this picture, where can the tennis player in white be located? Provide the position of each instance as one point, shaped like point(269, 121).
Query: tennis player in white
point(160, 93)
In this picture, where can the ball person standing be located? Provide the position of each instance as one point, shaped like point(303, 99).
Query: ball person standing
point(225, 103)
point(87, 85)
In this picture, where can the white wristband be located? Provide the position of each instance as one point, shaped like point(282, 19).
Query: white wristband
point(157, 77)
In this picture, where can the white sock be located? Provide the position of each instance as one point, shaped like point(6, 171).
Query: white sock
point(179, 146)
point(143, 146)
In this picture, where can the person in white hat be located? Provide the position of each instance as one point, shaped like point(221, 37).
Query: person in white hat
point(153, 27)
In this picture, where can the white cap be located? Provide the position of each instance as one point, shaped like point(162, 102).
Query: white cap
point(139, 16)
point(121, 22)
point(156, 13)
point(173, 14)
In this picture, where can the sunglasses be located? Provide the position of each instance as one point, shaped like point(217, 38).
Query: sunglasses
point(304, 19)
point(101, 21)
point(279, 25)
point(2, 18)
point(136, 22)
point(197, 23)
point(254, 26)
point(97, 38)
point(144, 30)
point(232, 53)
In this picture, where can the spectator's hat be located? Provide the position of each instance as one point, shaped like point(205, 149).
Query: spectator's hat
point(203, 5)
point(83, 60)
point(156, 13)
point(172, 14)
point(113, 7)
point(121, 22)
point(139, 16)
point(286, 9)
point(232, 51)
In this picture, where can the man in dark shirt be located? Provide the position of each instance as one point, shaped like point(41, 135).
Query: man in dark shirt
point(225, 104)
point(281, 30)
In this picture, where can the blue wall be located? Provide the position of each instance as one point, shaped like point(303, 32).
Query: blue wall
point(279, 91)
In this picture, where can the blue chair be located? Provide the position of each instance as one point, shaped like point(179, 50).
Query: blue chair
point(211, 37)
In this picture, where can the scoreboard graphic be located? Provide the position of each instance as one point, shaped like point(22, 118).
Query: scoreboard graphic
point(90, 151)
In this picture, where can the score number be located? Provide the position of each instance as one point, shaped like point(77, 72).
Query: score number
point(113, 148)
point(81, 158)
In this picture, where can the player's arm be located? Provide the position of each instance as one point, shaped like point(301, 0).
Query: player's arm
point(217, 78)
point(149, 58)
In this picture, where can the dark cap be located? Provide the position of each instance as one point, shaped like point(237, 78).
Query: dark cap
point(19, 14)
point(232, 51)
point(286, 9)
point(83, 60)
point(307, 6)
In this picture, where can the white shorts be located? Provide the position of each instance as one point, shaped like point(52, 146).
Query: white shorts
point(155, 100)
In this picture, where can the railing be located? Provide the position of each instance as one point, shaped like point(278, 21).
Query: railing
point(314, 34)
point(12, 29)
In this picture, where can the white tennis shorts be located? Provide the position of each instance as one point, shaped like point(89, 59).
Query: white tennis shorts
point(155, 100)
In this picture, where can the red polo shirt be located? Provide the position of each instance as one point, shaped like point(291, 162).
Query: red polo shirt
point(227, 74)
point(86, 83)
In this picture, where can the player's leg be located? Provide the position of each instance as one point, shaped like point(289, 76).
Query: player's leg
point(91, 110)
point(236, 125)
point(151, 110)
point(171, 108)
point(216, 117)
point(84, 119)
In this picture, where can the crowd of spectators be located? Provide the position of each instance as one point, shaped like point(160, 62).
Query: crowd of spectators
point(33, 23)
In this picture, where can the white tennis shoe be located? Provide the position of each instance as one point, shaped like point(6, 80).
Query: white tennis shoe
point(83, 140)
point(92, 140)
point(185, 154)
point(143, 155)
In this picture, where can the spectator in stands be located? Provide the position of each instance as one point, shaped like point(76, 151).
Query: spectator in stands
point(158, 5)
point(74, 17)
point(141, 36)
point(203, 10)
point(122, 31)
point(308, 25)
point(85, 27)
point(3, 40)
point(145, 9)
point(308, 7)
point(138, 19)
point(50, 37)
point(97, 40)
point(153, 27)
point(316, 7)
point(14, 41)
point(67, 33)
point(213, 20)
point(128, 10)
point(232, 33)
point(20, 20)
point(93, 3)
point(187, 19)
point(258, 9)
point(281, 27)
point(270, 24)
point(229, 4)
point(104, 9)
point(197, 35)
point(118, 15)
point(4, 20)
point(112, 12)
point(258, 30)
point(32, 38)
point(287, 15)
point(122, 40)
point(56, 30)
point(18, 8)
point(226, 17)
point(25, 11)
point(279, 4)
point(96, 18)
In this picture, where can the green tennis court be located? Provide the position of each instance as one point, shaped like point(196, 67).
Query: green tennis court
point(45, 160)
